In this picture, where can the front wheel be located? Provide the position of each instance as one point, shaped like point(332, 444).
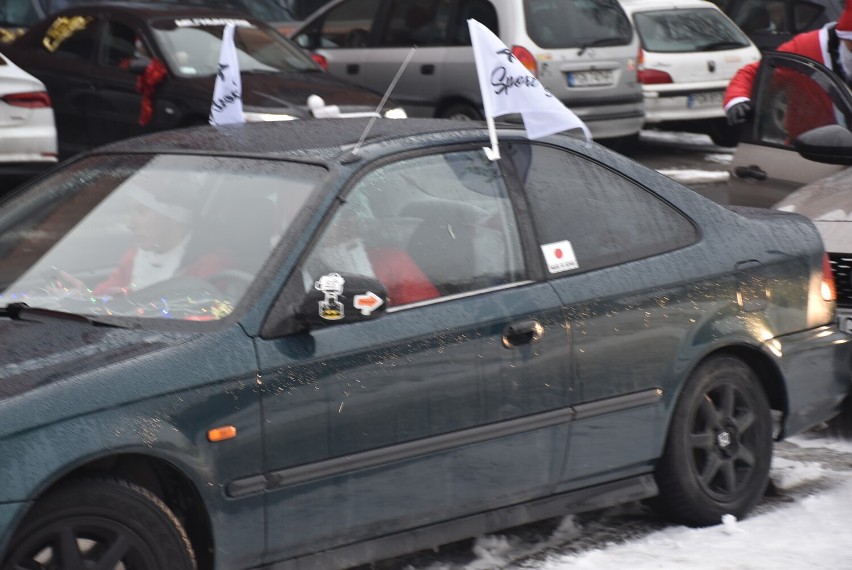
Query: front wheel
point(719, 446)
point(107, 524)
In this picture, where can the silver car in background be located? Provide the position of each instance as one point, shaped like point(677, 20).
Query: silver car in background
point(582, 51)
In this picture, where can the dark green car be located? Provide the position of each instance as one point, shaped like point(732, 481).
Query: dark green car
point(317, 344)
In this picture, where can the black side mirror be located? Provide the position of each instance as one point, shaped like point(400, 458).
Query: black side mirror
point(831, 144)
point(342, 298)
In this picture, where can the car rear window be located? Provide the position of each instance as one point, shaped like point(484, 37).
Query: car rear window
point(688, 30)
point(557, 24)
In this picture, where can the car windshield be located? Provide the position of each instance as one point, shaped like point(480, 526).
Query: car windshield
point(688, 30)
point(166, 236)
point(557, 24)
point(191, 47)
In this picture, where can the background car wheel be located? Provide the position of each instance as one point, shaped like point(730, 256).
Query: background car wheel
point(100, 523)
point(461, 112)
point(719, 446)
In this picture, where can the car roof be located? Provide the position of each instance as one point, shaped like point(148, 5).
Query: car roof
point(322, 140)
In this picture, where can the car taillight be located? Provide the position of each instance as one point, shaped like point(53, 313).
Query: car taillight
point(526, 58)
point(822, 295)
point(650, 76)
point(30, 100)
point(320, 60)
point(828, 289)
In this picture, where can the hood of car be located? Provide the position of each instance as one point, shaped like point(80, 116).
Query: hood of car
point(36, 353)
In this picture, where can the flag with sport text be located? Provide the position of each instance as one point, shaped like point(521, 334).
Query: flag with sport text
point(509, 87)
point(227, 106)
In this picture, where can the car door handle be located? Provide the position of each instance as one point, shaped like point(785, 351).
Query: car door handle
point(353, 69)
point(427, 69)
point(752, 171)
point(523, 332)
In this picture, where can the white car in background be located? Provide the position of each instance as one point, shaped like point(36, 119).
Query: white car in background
point(689, 51)
point(27, 127)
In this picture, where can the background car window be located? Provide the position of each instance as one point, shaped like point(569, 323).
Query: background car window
point(74, 37)
point(687, 30)
point(792, 103)
point(607, 218)
point(416, 22)
point(577, 23)
point(194, 50)
point(18, 13)
point(482, 11)
point(119, 44)
point(428, 226)
point(347, 25)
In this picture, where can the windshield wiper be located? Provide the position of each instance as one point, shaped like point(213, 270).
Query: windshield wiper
point(23, 312)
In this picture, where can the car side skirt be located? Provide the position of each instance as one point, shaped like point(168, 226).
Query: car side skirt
point(588, 499)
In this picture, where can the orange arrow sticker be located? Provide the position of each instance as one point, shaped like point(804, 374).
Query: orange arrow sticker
point(367, 303)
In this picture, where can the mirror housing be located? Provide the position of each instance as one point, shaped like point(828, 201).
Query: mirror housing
point(342, 298)
point(831, 144)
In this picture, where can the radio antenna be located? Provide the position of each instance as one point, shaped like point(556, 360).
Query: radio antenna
point(384, 100)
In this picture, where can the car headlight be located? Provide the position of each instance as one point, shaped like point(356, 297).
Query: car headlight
point(396, 113)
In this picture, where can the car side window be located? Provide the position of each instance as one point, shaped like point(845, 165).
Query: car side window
point(482, 11)
point(606, 218)
point(416, 22)
point(425, 227)
point(120, 45)
point(347, 25)
point(73, 37)
point(791, 102)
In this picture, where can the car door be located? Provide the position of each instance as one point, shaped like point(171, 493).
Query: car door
point(791, 94)
point(594, 226)
point(116, 104)
point(460, 391)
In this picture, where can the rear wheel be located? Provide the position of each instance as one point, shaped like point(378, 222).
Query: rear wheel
point(108, 524)
point(719, 446)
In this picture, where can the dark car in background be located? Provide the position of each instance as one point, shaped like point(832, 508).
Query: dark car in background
point(18, 15)
point(93, 60)
point(769, 23)
point(394, 342)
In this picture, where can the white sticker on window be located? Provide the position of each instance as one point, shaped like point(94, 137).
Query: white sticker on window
point(559, 256)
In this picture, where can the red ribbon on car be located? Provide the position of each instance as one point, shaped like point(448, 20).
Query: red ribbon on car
point(146, 84)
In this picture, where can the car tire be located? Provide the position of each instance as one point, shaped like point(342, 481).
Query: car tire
point(719, 447)
point(82, 523)
point(461, 112)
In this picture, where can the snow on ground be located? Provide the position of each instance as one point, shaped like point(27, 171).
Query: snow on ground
point(808, 527)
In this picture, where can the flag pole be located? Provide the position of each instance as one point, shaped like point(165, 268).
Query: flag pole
point(492, 153)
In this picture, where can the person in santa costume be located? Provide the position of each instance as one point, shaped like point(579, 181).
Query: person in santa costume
point(831, 46)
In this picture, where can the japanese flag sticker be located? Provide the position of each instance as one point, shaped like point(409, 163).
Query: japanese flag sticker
point(559, 256)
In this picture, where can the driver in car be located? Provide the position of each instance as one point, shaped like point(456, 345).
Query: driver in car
point(167, 243)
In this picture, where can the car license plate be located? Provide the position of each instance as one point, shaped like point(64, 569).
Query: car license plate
point(589, 78)
point(844, 320)
point(707, 99)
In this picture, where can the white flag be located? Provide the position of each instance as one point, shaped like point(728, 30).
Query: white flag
point(227, 106)
point(508, 87)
